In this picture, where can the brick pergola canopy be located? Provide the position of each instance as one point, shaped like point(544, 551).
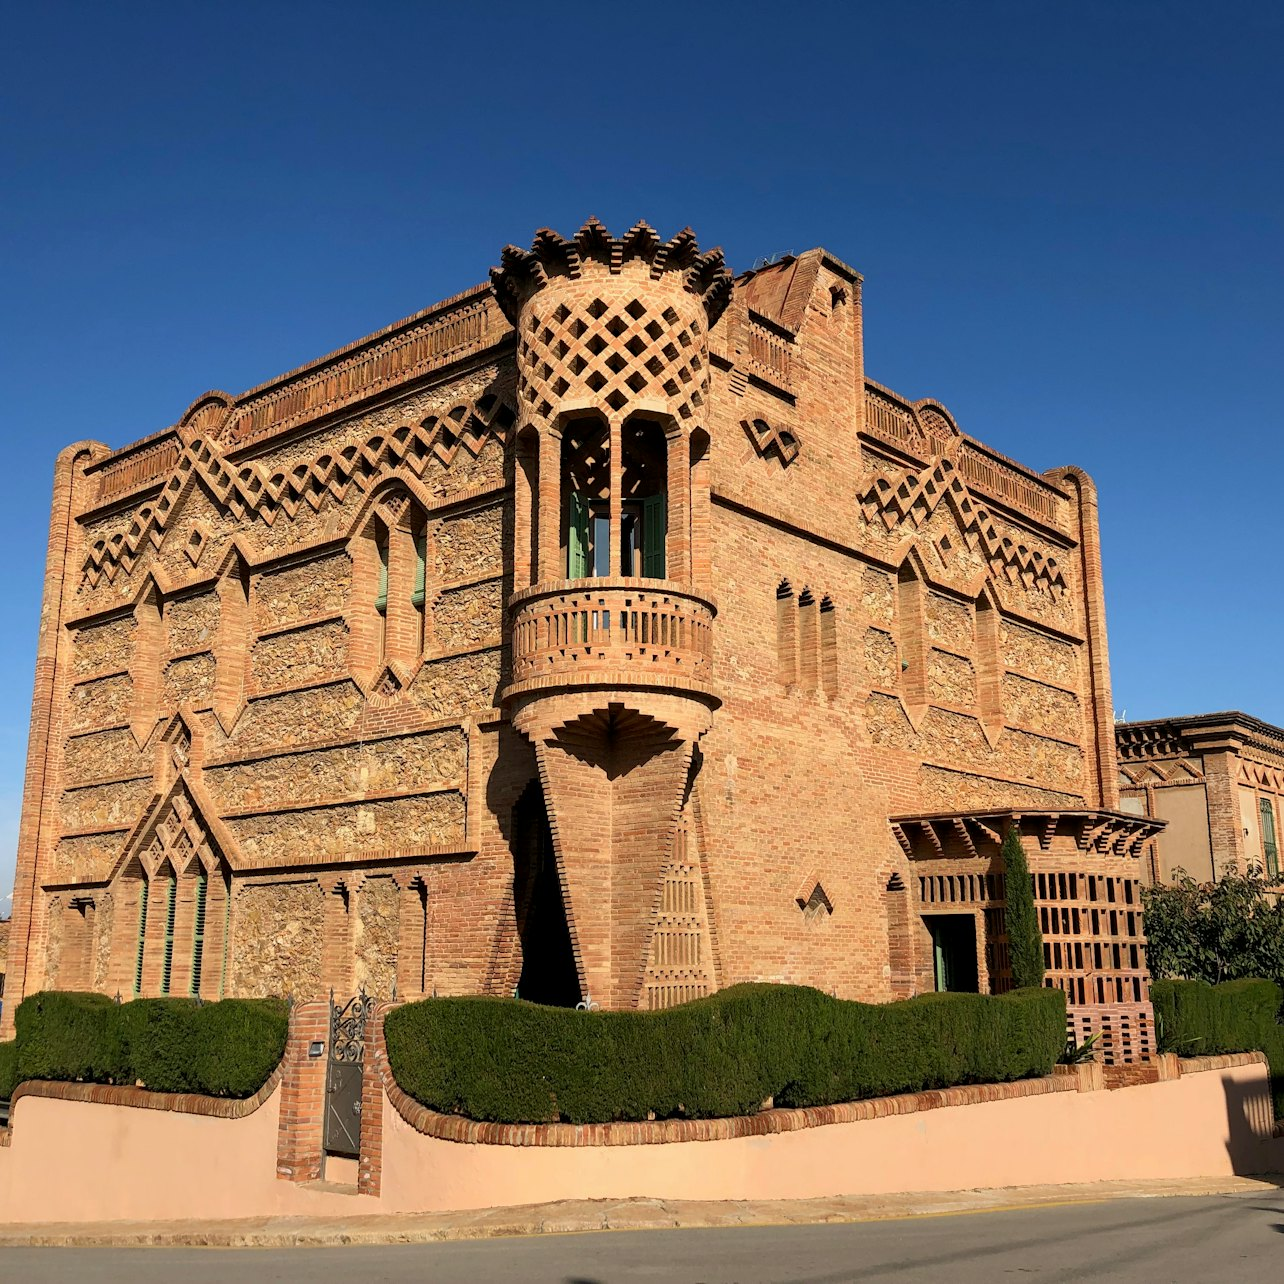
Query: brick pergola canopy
point(980, 834)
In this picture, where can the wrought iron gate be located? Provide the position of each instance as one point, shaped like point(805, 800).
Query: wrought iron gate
point(344, 1067)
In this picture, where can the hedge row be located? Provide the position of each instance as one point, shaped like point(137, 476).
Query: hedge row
point(1196, 1019)
point(507, 1061)
point(8, 1068)
point(224, 1049)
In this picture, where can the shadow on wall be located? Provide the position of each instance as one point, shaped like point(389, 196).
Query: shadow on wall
point(1250, 1122)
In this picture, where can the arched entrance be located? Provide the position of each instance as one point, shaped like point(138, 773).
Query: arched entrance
point(549, 974)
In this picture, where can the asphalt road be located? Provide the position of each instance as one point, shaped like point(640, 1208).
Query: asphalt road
point(1235, 1237)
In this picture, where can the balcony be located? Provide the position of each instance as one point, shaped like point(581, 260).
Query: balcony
point(606, 632)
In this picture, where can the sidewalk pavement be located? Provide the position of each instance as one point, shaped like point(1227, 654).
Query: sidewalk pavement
point(577, 1216)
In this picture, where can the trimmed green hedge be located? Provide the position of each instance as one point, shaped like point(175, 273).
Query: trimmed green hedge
point(503, 1060)
point(1196, 1019)
point(224, 1049)
point(8, 1068)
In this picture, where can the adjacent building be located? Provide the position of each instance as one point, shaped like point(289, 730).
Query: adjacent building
point(1217, 780)
point(602, 634)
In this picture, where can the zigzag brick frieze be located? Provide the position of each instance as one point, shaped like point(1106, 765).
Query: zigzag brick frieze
point(247, 491)
point(911, 497)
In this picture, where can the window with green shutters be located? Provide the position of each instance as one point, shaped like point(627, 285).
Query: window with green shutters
point(577, 544)
point(198, 935)
point(142, 934)
point(654, 523)
point(381, 543)
point(421, 567)
point(1270, 845)
point(167, 965)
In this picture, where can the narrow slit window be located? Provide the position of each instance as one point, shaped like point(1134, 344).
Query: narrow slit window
point(381, 546)
point(198, 935)
point(421, 567)
point(167, 965)
point(142, 935)
point(1270, 844)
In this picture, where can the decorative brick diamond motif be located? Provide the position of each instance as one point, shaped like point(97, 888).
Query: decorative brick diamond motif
point(613, 354)
point(246, 491)
point(911, 497)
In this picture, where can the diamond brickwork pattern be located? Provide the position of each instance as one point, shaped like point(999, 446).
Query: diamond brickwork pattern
point(614, 354)
point(247, 491)
point(912, 496)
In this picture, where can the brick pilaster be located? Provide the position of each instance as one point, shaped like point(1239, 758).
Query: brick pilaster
point(36, 834)
point(299, 1155)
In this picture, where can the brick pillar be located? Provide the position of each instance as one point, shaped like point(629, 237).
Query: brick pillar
point(411, 939)
point(900, 945)
point(370, 1161)
point(38, 831)
point(337, 951)
point(548, 515)
point(1225, 822)
point(616, 463)
point(299, 1154)
point(701, 551)
point(525, 498)
point(677, 551)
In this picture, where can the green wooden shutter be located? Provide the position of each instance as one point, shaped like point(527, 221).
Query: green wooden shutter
point(654, 521)
point(577, 544)
point(1270, 847)
point(421, 568)
point(167, 968)
point(381, 602)
point(198, 935)
point(142, 936)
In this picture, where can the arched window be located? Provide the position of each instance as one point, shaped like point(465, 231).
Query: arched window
point(643, 507)
point(586, 499)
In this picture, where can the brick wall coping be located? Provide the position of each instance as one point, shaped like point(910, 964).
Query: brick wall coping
point(455, 1128)
point(1226, 1061)
point(108, 1094)
point(445, 1127)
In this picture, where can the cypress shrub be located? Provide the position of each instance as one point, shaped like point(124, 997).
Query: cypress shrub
point(224, 1049)
point(70, 1036)
point(1025, 941)
point(502, 1060)
point(1197, 1019)
point(8, 1068)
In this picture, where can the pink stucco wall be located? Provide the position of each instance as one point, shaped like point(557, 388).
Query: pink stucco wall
point(73, 1161)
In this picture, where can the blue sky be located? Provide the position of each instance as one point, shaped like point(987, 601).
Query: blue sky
point(1070, 219)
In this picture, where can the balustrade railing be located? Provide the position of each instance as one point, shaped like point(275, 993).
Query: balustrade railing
point(607, 631)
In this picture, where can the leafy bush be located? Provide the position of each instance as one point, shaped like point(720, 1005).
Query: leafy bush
point(8, 1068)
point(507, 1061)
point(1215, 931)
point(224, 1049)
point(70, 1037)
point(1025, 941)
point(1197, 1019)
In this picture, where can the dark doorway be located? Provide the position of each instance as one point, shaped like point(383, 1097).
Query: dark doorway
point(549, 974)
point(953, 952)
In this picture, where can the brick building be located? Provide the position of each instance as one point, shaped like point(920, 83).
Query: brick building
point(1217, 780)
point(600, 633)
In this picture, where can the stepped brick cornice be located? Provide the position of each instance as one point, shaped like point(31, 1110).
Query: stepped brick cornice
point(522, 273)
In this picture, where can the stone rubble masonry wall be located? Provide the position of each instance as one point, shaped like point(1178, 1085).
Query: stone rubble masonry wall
point(356, 785)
